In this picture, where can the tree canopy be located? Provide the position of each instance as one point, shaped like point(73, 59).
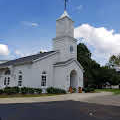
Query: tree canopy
point(95, 75)
point(114, 60)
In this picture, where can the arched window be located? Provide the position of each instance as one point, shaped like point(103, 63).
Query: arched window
point(20, 78)
point(5, 81)
point(20, 72)
point(43, 78)
point(7, 72)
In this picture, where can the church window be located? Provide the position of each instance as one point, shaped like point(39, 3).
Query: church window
point(20, 72)
point(19, 83)
point(8, 82)
point(71, 48)
point(5, 81)
point(20, 78)
point(43, 77)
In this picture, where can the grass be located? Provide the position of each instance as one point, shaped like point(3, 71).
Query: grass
point(26, 95)
point(114, 91)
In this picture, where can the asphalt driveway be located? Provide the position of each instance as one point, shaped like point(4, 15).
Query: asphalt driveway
point(98, 106)
point(59, 110)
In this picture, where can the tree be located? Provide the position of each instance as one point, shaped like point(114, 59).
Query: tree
point(114, 60)
point(95, 75)
point(90, 66)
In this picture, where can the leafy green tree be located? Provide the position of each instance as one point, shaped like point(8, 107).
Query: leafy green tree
point(90, 66)
point(95, 75)
point(114, 60)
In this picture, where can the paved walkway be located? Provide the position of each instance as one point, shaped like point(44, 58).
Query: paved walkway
point(113, 100)
point(75, 97)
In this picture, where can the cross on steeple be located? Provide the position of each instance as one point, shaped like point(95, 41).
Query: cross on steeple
point(65, 4)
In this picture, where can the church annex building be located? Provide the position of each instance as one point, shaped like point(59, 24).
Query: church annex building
point(58, 68)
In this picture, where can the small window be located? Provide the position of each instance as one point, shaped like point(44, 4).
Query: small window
point(43, 79)
point(20, 77)
point(8, 82)
point(20, 72)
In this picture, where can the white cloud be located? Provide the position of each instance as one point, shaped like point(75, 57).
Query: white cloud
point(19, 53)
point(104, 42)
point(4, 49)
point(30, 24)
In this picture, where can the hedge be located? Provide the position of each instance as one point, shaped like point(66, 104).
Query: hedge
point(1, 91)
point(52, 90)
point(89, 89)
point(27, 90)
point(23, 90)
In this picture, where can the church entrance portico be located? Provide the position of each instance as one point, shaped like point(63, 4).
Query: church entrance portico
point(73, 79)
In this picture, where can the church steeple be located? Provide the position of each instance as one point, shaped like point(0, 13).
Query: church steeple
point(65, 14)
point(65, 41)
point(64, 26)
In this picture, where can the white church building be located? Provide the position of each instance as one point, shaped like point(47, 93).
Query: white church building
point(57, 68)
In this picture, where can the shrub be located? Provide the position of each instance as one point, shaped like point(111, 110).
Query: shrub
point(11, 90)
point(8, 90)
point(31, 90)
point(15, 90)
point(74, 90)
point(1, 91)
point(52, 90)
point(38, 90)
point(24, 90)
point(89, 90)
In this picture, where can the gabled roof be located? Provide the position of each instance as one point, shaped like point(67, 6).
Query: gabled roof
point(63, 62)
point(68, 62)
point(26, 59)
point(65, 14)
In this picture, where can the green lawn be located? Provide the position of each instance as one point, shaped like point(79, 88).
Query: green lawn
point(26, 95)
point(114, 91)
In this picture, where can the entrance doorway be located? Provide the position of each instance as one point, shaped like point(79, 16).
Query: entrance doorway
point(73, 79)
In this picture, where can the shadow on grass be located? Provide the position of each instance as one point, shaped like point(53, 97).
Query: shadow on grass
point(60, 110)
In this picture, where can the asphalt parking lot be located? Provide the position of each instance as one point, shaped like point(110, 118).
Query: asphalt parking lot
point(59, 110)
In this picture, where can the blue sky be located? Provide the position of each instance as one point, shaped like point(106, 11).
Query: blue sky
point(28, 26)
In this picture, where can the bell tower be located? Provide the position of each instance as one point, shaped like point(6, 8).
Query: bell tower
point(65, 42)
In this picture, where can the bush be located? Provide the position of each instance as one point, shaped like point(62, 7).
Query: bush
point(15, 90)
point(8, 90)
point(74, 90)
point(89, 90)
point(38, 90)
point(1, 91)
point(31, 90)
point(24, 90)
point(52, 90)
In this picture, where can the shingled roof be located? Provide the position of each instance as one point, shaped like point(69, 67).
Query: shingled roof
point(69, 61)
point(26, 59)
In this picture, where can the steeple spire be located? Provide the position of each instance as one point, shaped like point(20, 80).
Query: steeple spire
point(65, 14)
point(65, 4)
